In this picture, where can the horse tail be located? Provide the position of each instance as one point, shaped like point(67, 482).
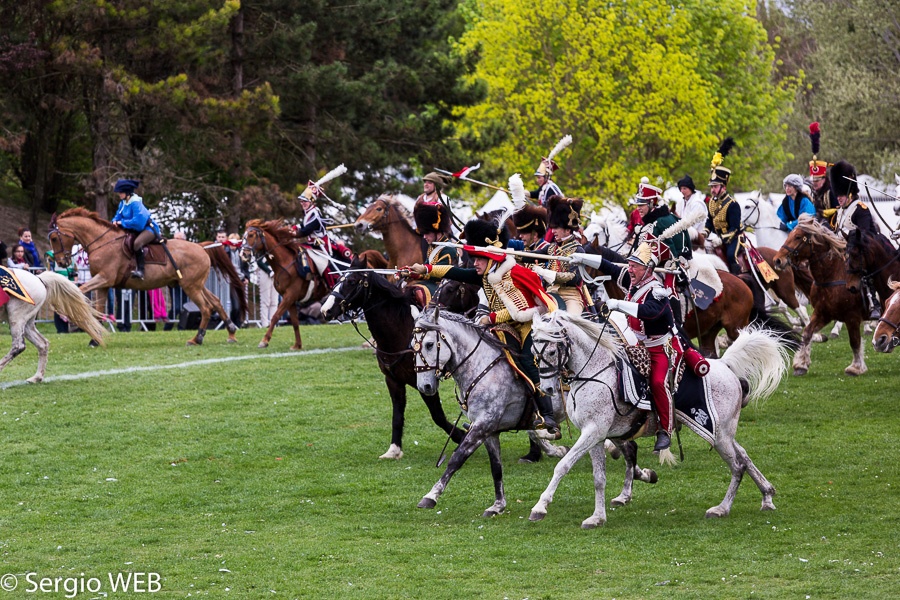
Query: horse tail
point(760, 357)
point(219, 258)
point(66, 299)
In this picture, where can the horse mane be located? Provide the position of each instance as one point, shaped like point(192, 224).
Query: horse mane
point(398, 206)
point(894, 285)
point(429, 325)
point(278, 230)
point(554, 326)
point(380, 283)
point(808, 224)
point(80, 211)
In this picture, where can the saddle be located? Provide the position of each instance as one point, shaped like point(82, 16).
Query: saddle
point(316, 262)
point(690, 396)
point(154, 253)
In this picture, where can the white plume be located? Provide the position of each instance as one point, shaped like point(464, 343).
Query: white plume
point(332, 174)
point(517, 191)
point(560, 146)
point(696, 214)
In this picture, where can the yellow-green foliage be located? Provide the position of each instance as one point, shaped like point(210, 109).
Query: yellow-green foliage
point(645, 87)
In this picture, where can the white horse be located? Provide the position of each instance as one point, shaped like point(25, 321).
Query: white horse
point(608, 228)
point(571, 347)
point(64, 297)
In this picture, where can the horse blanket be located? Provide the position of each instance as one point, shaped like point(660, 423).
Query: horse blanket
point(11, 286)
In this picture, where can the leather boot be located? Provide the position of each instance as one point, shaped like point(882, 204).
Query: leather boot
point(874, 306)
point(663, 441)
point(138, 273)
point(544, 418)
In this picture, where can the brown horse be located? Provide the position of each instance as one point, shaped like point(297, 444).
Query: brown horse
point(110, 265)
point(274, 240)
point(387, 216)
point(887, 334)
point(831, 300)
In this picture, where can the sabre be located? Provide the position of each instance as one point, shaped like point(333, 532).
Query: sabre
point(340, 226)
point(379, 271)
point(545, 257)
point(475, 181)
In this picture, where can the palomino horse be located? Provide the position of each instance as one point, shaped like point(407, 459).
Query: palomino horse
point(389, 314)
point(387, 216)
point(274, 240)
point(829, 295)
point(64, 297)
point(491, 395)
point(887, 334)
point(110, 266)
point(567, 344)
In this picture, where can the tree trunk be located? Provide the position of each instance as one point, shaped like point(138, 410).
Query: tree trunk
point(232, 218)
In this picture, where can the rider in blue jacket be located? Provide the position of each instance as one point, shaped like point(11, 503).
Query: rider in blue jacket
point(133, 216)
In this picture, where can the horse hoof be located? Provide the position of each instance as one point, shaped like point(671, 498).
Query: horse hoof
point(263, 345)
point(716, 512)
point(536, 516)
point(426, 503)
point(591, 523)
point(767, 506)
point(192, 343)
point(295, 347)
point(834, 336)
point(617, 502)
point(529, 459)
point(232, 339)
point(35, 379)
point(800, 372)
point(652, 477)
point(612, 450)
point(93, 344)
point(492, 512)
point(854, 371)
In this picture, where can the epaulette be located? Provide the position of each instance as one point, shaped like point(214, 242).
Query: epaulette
point(863, 205)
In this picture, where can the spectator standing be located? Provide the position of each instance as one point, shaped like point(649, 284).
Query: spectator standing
point(33, 256)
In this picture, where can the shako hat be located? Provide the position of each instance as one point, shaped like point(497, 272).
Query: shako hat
point(818, 169)
point(717, 173)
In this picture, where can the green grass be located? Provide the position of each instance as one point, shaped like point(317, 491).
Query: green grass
point(259, 478)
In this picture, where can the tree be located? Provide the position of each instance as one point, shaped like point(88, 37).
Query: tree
point(645, 87)
point(854, 89)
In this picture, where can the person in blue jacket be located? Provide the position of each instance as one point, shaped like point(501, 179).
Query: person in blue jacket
point(133, 216)
point(795, 203)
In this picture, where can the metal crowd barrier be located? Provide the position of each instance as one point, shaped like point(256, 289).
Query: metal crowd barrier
point(134, 307)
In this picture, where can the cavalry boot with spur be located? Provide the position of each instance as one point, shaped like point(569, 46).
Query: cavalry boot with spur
point(138, 273)
point(544, 417)
point(663, 441)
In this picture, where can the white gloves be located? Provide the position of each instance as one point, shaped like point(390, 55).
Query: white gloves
point(612, 304)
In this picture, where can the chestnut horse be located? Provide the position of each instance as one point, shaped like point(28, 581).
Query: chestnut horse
point(274, 240)
point(110, 266)
point(831, 300)
point(872, 258)
point(887, 334)
point(387, 216)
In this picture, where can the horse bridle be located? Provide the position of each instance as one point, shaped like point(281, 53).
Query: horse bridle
point(67, 254)
point(895, 335)
point(794, 252)
point(345, 301)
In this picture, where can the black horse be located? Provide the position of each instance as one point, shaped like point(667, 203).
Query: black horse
point(871, 258)
point(389, 315)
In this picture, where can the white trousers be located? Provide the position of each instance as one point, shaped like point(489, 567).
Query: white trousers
point(268, 298)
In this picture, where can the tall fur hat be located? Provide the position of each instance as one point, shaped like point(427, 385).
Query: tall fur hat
point(530, 219)
point(432, 216)
point(479, 232)
point(565, 212)
point(839, 185)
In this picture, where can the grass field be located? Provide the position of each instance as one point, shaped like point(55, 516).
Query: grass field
point(259, 478)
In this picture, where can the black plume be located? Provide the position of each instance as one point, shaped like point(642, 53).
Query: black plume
point(814, 135)
point(726, 146)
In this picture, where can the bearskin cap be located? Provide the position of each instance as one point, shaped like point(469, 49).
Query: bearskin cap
point(432, 216)
point(839, 185)
point(564, 212)
point(479, 232)
point(530, 219)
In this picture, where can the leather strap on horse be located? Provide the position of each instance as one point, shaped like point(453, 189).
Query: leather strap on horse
point(165, 246)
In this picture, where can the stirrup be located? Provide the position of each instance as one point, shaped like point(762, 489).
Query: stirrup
point(663, 441)
point(137, 274)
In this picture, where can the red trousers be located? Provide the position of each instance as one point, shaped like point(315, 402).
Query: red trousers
point(659, 388)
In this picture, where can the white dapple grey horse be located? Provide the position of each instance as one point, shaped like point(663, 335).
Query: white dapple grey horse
point(64, 297)
point(751, 369)
point(491, 396)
